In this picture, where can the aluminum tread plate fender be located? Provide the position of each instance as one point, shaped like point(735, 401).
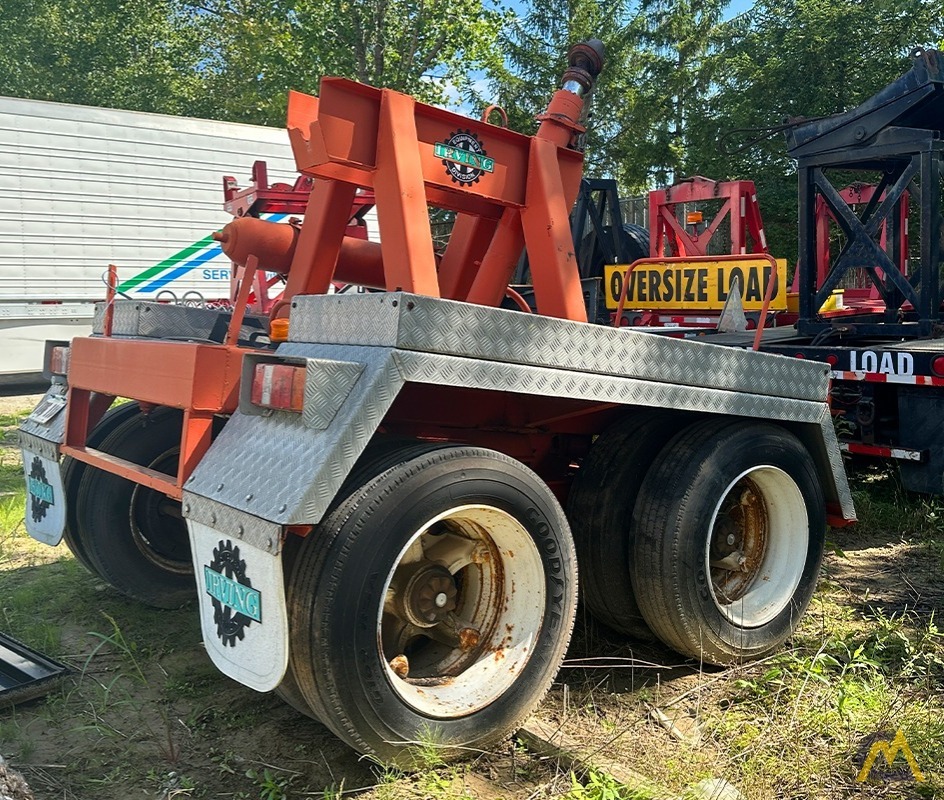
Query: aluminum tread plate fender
point(280, 469)
point(427, 324)
point(830, 443)
point(814, 417)
point(242, 607)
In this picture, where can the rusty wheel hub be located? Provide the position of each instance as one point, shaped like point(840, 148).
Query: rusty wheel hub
point(461, 611)
point(739, 541)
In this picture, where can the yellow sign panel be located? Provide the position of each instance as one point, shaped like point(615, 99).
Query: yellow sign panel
point(696, 285)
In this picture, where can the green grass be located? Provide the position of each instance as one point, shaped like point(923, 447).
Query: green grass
point(601, 786)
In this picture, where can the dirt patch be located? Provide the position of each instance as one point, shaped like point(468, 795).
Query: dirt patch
point(895, 572)
point(15, 403)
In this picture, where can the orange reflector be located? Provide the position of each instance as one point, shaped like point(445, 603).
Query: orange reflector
point(278, 330)
point(694, 217)
point(59, 360)
point(278, 386)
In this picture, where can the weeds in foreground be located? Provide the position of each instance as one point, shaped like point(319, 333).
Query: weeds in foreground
point(271, 786)
point(597, 785)
point(118, 641)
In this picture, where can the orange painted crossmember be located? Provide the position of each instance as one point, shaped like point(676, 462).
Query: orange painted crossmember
point(177, 374)
point(200, 379)
point(510, 191)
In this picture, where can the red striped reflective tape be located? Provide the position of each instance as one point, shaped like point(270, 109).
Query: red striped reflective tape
point(901, 453)
point(882, 377)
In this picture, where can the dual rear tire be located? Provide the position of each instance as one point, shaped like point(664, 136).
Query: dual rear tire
point(714, 541)
point(131, 536)
point(433, 606)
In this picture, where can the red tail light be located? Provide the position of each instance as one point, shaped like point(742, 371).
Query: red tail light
point(278, 386)
point(59, 360)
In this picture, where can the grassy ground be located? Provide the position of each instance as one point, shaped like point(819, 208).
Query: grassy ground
point(145, 715)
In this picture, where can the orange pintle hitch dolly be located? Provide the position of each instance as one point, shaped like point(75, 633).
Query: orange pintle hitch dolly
point(369, 508)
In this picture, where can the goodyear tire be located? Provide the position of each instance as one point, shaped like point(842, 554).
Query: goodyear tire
point(381, 454)
point(434, 604)
point(134, 536)
point(73, 470)
point(730, 526)
point(600, 509)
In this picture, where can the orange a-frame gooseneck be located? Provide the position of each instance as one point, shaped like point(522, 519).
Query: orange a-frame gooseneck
point(510, 191)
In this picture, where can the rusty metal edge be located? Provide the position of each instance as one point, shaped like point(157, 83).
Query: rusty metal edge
point(30, 688)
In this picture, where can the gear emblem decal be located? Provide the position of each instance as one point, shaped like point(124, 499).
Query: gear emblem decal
point(236, 605)
point(464, 157)
point(41, 494)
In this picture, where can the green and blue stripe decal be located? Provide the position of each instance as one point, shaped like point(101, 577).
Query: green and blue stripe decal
point(179, 264)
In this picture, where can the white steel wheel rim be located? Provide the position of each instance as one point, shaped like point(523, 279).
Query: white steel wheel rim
point(771, 573)
point(501, 594)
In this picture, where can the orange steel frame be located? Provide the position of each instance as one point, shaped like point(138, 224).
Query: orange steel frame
point(201, 380)
point(358, 136)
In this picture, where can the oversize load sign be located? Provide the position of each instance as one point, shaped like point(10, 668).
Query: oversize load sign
point(696, 285)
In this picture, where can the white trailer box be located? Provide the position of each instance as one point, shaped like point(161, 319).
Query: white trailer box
point(86, 187)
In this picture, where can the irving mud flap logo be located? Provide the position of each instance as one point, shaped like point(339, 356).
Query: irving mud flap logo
point(236, 605)
point(42, 496)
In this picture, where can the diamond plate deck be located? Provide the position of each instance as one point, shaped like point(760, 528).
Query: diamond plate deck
point(426, 324)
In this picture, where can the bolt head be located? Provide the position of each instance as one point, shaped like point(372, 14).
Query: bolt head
point(731, 539)
point(441, 599)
